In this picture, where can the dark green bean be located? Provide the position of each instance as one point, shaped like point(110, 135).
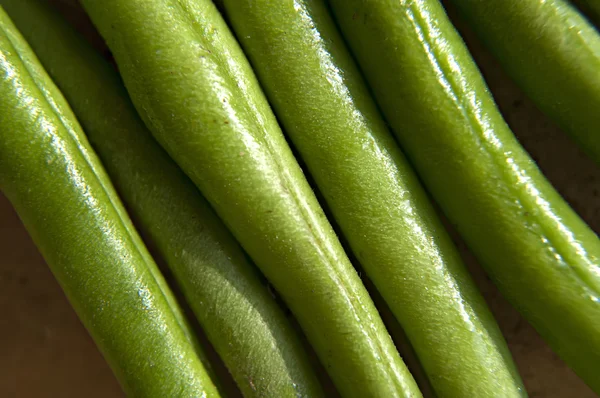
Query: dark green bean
point(236, 311)
point(327, 111)
point(195, 90)
point(541, 255)
point(56, 183)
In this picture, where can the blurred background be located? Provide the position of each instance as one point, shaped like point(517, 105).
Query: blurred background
point(46, 352)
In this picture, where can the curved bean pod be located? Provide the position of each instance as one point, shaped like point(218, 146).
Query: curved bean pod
point(541, 255)
point(239, 316)
point(552, 52)
point(61, 192)
point(197, 93)
point(325, 108)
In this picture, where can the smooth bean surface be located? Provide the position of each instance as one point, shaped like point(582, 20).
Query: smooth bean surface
point(57, 185)
point(541, 255)
point(195, 90)
point(325, 108)
point(234, 307)
point(552, 52)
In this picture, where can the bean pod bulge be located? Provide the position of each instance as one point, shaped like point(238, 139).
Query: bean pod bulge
point(327, 112)
point(196, 92)
point(61, 192)
point(552, 52)
point(238, 314)
point(537, 250)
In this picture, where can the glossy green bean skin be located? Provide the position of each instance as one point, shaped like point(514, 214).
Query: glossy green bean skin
point(541, 255)
point(195, 90)
point(235, 309)
point(552, 52)
point(326, 110)
point(56, 183)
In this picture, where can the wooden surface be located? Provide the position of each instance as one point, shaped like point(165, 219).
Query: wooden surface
point(45, 351)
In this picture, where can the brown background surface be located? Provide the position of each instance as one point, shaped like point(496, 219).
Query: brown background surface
point(46, 352)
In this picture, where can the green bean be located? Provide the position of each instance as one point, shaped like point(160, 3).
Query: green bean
point(56, 183)
point(552, 52)
point(239, 316)
point(326, 110)
point(197, 93)
point(541, 255)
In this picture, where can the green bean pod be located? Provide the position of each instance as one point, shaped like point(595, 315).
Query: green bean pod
point(552, 52)
point(541, 255)
point(326, 110)
point(233, 306)
point(195, 90)
point(61, 192)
